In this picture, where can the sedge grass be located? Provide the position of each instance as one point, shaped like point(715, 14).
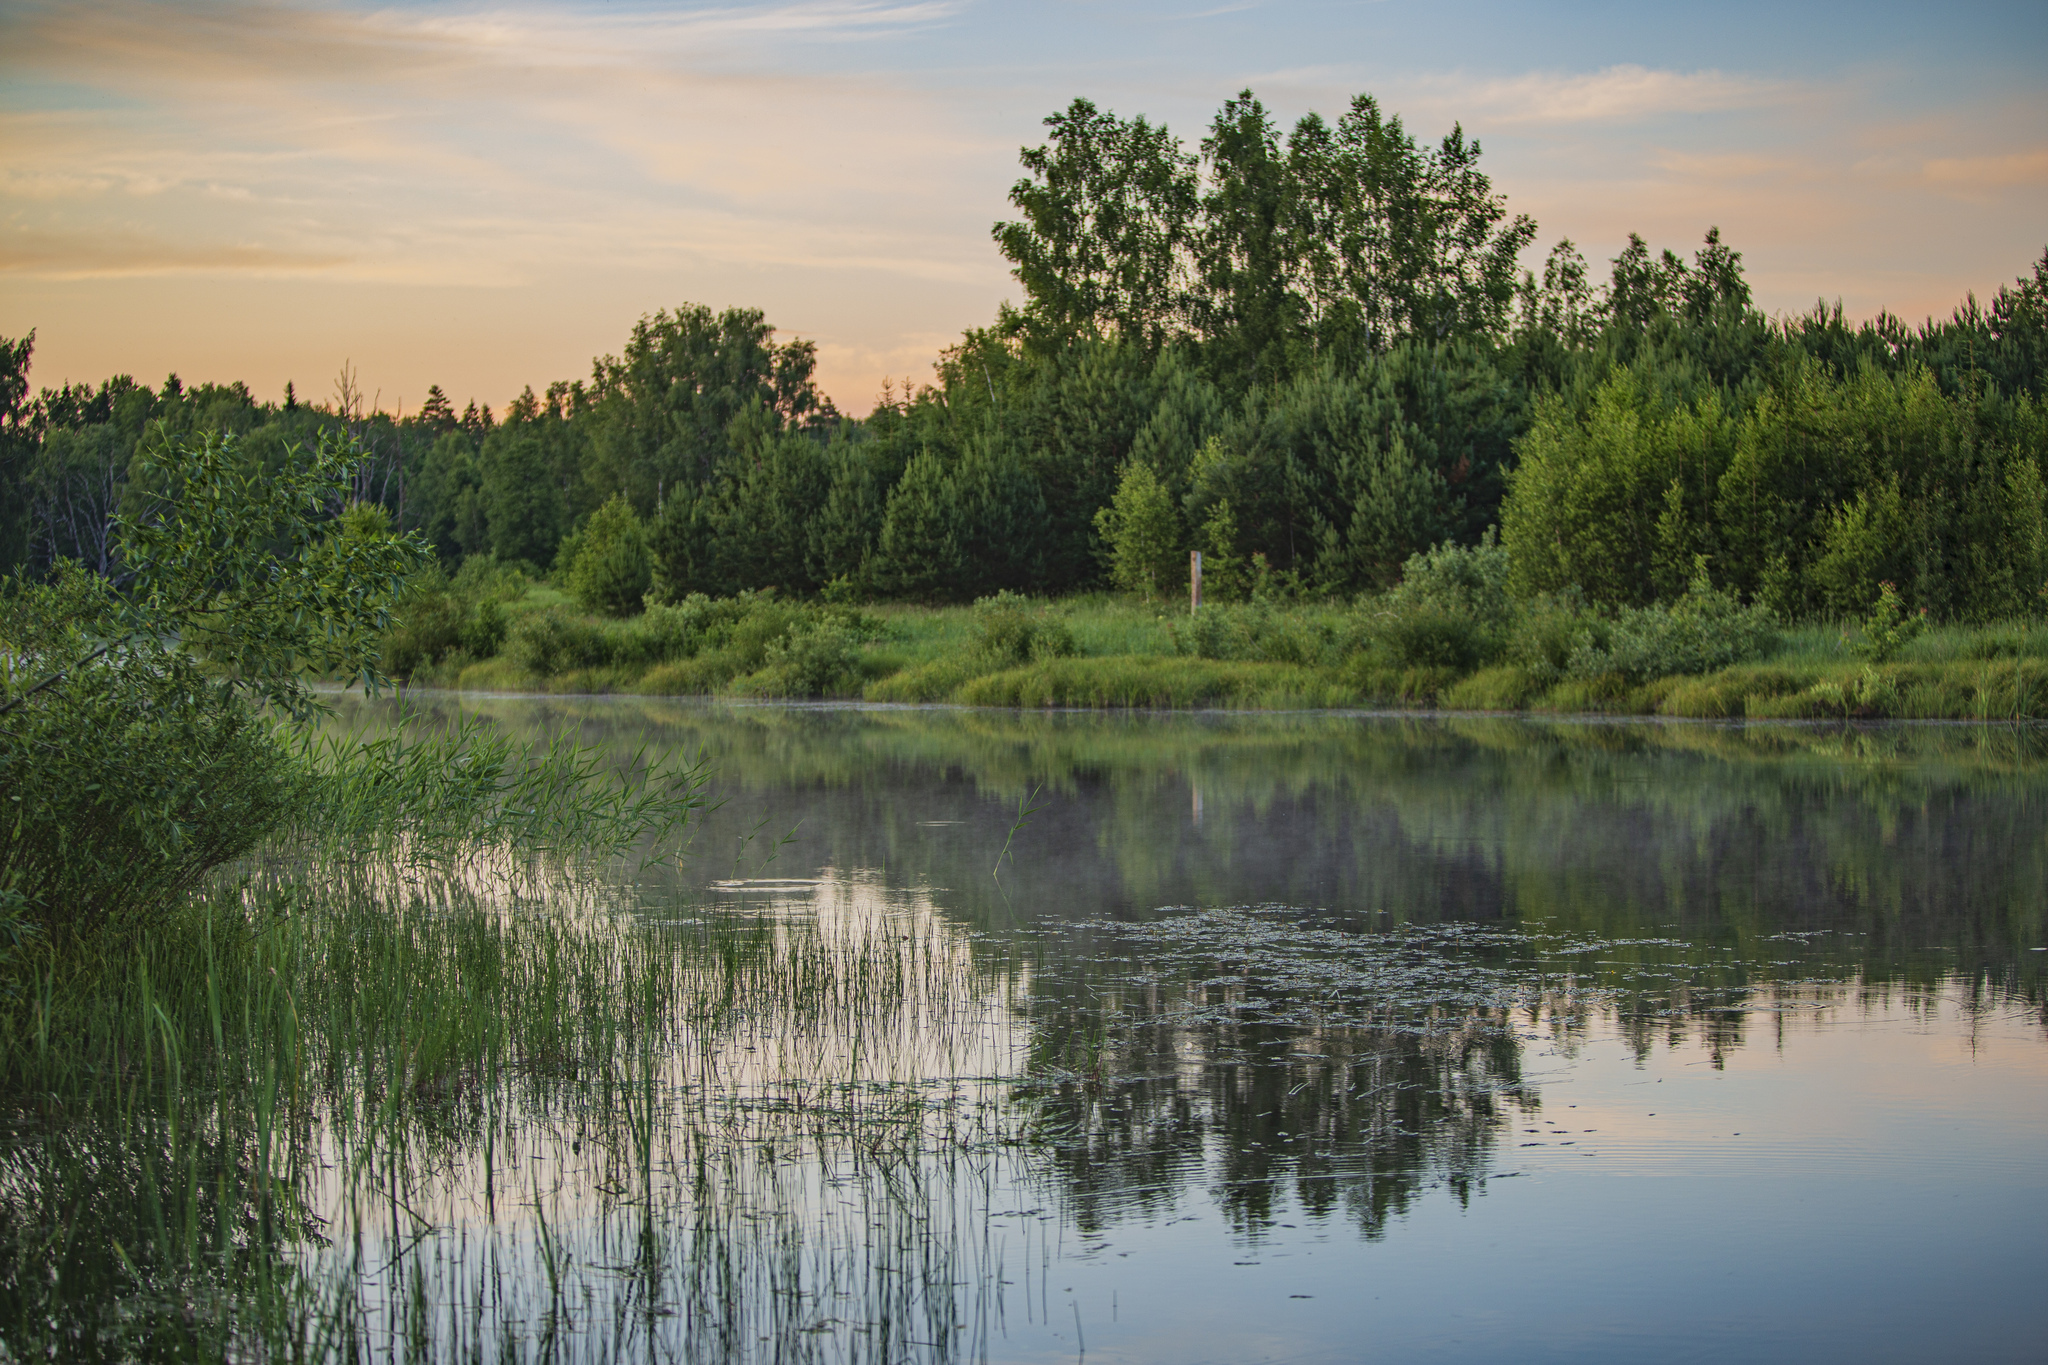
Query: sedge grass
point(268, 1127)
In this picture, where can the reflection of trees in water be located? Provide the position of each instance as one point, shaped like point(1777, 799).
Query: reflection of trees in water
point(1909, 835)
point(1285, 1061)
point(1151, 1090)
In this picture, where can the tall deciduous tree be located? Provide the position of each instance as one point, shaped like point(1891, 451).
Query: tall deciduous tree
point(663, 409)
point(1108, 213)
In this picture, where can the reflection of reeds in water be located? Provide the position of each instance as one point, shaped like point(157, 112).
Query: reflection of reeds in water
point(797, 1169)
point(440, 1110)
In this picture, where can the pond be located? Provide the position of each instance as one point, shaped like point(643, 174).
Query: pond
point(1322, 1038)
point(1232, 1038)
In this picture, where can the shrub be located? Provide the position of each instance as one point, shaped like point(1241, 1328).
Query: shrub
point(1469, 581)
point(815, 659)
point(1451, 609)
point(1889, 627)
point(611, 571)
point(554, 641)
point(1549, 631)
point(1251, 632)
point(1425, 635)
point(1704, 631)
point(1010, 631)
point(156, 697)
point(440, 617)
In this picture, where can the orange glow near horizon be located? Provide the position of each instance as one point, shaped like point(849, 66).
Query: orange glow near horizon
point(487, 198)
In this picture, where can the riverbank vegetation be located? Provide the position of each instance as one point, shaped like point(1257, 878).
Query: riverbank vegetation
point(1453, 635)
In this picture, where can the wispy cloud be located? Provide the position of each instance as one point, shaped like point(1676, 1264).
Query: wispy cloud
point(1616, 94)
point(76, 256)
point(1993, 172)
point(241, 41)
point(838, 162)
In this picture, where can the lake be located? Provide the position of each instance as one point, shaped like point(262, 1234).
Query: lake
point(1303, 1038)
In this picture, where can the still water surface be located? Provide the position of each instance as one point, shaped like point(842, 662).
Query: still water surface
point(1336, 1038)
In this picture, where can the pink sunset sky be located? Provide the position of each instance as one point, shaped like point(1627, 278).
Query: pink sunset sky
point(487, 196)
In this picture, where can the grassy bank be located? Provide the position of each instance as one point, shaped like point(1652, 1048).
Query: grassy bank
point(1111, 652)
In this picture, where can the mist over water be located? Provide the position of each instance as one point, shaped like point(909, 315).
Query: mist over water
point(1332, 1038)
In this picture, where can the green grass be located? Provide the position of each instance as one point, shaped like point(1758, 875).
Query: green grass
point(1132, 654)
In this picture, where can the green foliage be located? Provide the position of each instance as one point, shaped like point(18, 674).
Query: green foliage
point(1550, 631)
point(1155, 683)
point(1424, 635)
point(1345, 240)
point(662, 414)
point(521, 498)
point(1009, 630)
point(1613, 499)
point(1889, 627)
point(919, 555)
point(1704, 631)
point(1311, 338)
point(443, 619)
point(1109, 209)
point(554, 641)
point(153, 696)
point(1460, 580)
point(1450, 611)
point(1823, 487)
point(1223, 577)
point(757, 522)
point(1254, 631)
point(611, 571)
point(1141, 534)
point(702, 643)
point(814, 658)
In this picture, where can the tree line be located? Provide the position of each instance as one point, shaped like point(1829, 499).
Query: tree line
point(1310, 353)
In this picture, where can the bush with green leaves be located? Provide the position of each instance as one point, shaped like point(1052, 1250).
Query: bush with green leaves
point(1550, 630)
point(1889, 627)
point(729, 636)
point(1011, 630)
point(1253, 632)
point(816, 658)
point(1451, 608)
point(143, 737)
point(611, 570)
point(1460, 580)
point(1425, 635)
point(555, 640)
point(1704, 631)
point(443, 618)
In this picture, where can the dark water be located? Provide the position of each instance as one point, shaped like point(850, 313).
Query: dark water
point(1315, 1038)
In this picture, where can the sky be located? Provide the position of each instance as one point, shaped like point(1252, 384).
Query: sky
point(486, 196)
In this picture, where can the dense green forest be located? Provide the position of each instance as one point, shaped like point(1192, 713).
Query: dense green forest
point(1309, 353)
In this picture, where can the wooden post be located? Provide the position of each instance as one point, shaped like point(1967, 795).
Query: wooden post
point(1194, 581)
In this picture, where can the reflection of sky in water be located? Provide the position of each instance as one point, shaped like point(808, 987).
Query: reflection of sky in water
point(1616, 1044)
